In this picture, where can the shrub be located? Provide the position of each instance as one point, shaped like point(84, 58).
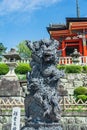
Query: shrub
point(21, 77)
point(82, 97)
point(85, 69)
point(61, 67)
point(22, 68)
point(3, 69)
point(80, 91)
point(73, 69)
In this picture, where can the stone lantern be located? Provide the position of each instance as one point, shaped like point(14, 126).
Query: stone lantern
point(11, 59)
point(9, 84)
point(75, 57)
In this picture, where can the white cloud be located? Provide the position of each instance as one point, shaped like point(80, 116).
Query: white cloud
point(10, 6)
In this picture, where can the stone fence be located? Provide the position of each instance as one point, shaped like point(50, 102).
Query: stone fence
point(62, 60)
point(68, 60)
point(17, 61)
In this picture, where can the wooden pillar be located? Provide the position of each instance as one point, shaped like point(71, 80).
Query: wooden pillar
point(80, 46)
point(84, 46)
point(63, 49)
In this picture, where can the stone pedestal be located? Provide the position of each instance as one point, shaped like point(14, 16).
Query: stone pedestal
point(9, 87)
point(9, 84)
point(42, 126)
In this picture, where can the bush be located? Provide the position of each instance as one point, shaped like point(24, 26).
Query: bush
point(73, 69)
point(80, 91)
point(3, 69)
point(61, 67)
point(82, 97)
point(22, 68)
point(70, 68)
point(21, 77)
point(85, 69)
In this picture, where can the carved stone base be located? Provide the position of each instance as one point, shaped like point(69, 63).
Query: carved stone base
point(42, 126)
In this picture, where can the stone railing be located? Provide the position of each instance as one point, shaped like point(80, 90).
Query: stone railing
point(65, 60)
point(62, 60)
point(23, 61)
point(18, 61)
point(68, 60)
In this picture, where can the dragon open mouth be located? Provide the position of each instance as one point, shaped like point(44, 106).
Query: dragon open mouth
point(48, 56)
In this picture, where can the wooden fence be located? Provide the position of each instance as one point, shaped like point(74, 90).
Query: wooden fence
point(9, 103)
point(69, 103)
point(66, 103)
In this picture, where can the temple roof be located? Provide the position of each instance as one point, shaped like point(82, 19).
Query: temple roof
point(75, 19)
point(54, 27)
point(72, 27)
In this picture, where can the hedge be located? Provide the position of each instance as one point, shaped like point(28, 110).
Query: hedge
point(85, 69)
point(70, 68)
point(3, 69)
point(73, 69)
point(80, 91)
point(22, 68)
point(82, 97)
point(61, 67)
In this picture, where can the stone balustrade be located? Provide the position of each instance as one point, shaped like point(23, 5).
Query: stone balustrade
point(18, 61)
point(68, 60)
point(23, 61)
point(62, 60)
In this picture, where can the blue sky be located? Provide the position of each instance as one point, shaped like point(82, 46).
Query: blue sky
point(27, 19)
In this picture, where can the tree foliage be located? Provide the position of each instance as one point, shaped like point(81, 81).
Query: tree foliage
point(23, 50)
point(2, 50)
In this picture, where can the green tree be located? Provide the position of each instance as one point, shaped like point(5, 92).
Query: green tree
point(2, 50)
point(23, 50)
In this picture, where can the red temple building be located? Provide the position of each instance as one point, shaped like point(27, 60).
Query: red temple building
point(72, 35)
